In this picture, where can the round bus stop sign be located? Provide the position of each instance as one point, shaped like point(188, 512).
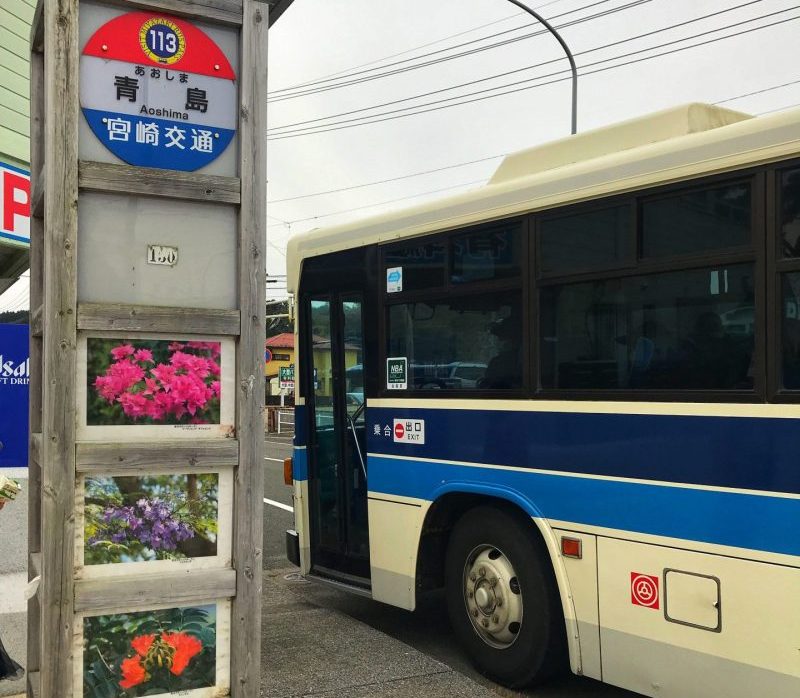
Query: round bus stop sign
point(158, 92)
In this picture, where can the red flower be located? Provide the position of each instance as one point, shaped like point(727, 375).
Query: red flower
point(133, 672)
point(186, 646)
point(142, 643)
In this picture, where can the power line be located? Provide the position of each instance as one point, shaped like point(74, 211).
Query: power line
point(472, 162)
point(353, 72)
point(390, 201)
point(530, 67)
point(758, 92)
point(383, 181)
point(377, 118)
point(301, 220)
point(352, 69)
point(470, 52)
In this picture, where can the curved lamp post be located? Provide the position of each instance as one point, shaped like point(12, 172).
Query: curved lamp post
point(561, 41)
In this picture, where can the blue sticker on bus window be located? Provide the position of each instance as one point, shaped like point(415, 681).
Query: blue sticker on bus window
point(394, 279)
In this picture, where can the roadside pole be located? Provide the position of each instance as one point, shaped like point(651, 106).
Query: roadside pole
point(148, 233)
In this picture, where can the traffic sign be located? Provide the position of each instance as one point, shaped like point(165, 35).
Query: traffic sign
point(267, 356)
point(157, 91)
point(286, 377)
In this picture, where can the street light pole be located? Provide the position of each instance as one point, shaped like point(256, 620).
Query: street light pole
point(561, 41)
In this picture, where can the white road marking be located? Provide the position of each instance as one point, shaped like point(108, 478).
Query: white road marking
point(277, 460)
point(273, 503)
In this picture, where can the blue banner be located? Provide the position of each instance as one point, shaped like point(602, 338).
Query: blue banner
point(14, 377)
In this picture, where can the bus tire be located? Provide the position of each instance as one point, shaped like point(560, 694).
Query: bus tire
point(502, 598)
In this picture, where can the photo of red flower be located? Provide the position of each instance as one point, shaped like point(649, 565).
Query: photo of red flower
point(151, 653)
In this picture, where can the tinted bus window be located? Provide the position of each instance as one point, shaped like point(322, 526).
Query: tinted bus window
point(688, 330)
point(790, 330)
point(423, 266)
point(589, 240)
point(790, 213)
point(487, 254)
point(696, 221)
point(460, 343)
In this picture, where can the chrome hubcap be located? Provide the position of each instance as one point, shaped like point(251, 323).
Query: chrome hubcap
point(492, 596)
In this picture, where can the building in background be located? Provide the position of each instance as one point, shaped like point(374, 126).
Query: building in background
point(15, 190)
point(278, 354)
point(15, 203)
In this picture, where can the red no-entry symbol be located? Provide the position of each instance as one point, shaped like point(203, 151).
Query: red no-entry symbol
point(399, 431)
point(644, 590)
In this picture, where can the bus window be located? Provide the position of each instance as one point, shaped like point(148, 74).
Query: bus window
point(460, 343)
point(790, 330)
point(790, 213)
point(423, 266)
point(696, 221)
point(687, 330)
point(588, 240)
point(486, 254)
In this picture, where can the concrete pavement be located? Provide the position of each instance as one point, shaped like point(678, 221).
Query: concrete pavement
point(14, 578)
point(309, 650)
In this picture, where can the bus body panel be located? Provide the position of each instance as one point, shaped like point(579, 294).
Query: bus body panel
point(581, 575)
point(394, 533)
point(689, 647)
point(669, 531)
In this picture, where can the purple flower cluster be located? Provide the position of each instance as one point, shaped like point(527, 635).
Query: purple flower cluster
point(151, 522)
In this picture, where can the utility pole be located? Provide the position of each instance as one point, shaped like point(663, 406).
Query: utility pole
point(563, 43)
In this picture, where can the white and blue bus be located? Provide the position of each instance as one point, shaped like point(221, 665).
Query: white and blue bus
point(571, 398)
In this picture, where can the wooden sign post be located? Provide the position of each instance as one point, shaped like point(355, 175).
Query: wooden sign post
point(148, 237)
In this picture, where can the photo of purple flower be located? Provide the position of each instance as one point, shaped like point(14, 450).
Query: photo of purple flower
point(134, 519)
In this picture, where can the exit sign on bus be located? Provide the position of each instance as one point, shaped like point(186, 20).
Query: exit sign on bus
point(15, 204)
point(397, 373)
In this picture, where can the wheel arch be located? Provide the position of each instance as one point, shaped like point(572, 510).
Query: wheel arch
point(450, 502)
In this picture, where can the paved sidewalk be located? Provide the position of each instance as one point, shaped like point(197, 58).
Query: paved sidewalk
point(308, 650)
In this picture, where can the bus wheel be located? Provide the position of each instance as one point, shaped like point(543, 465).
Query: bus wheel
point(502, 598)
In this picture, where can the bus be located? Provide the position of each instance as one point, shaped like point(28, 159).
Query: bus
point(615, 489)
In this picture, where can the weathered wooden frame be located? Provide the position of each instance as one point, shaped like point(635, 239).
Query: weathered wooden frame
point(56, 456)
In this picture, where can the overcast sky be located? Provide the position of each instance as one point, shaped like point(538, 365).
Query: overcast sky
point(318, 39)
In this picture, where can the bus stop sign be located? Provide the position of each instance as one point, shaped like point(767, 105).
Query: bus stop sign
point(157, 91)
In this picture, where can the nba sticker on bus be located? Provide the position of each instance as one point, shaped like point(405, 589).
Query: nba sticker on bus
point(397, 373)
point(409, 431)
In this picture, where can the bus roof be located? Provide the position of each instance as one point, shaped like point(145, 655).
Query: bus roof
point(672, 145)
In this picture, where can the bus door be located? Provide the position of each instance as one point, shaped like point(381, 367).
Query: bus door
point(337, 448)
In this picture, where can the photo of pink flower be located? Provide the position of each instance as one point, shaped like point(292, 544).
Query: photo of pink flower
point(152, 382)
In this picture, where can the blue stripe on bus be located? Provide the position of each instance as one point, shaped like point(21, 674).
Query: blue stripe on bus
point(734, 452)
point(300, 464)
point(755, 522)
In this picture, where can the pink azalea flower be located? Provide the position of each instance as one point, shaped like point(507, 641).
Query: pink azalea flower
point(181, 389)
point(122, 351)
point(134, 404)
point(144, 355)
